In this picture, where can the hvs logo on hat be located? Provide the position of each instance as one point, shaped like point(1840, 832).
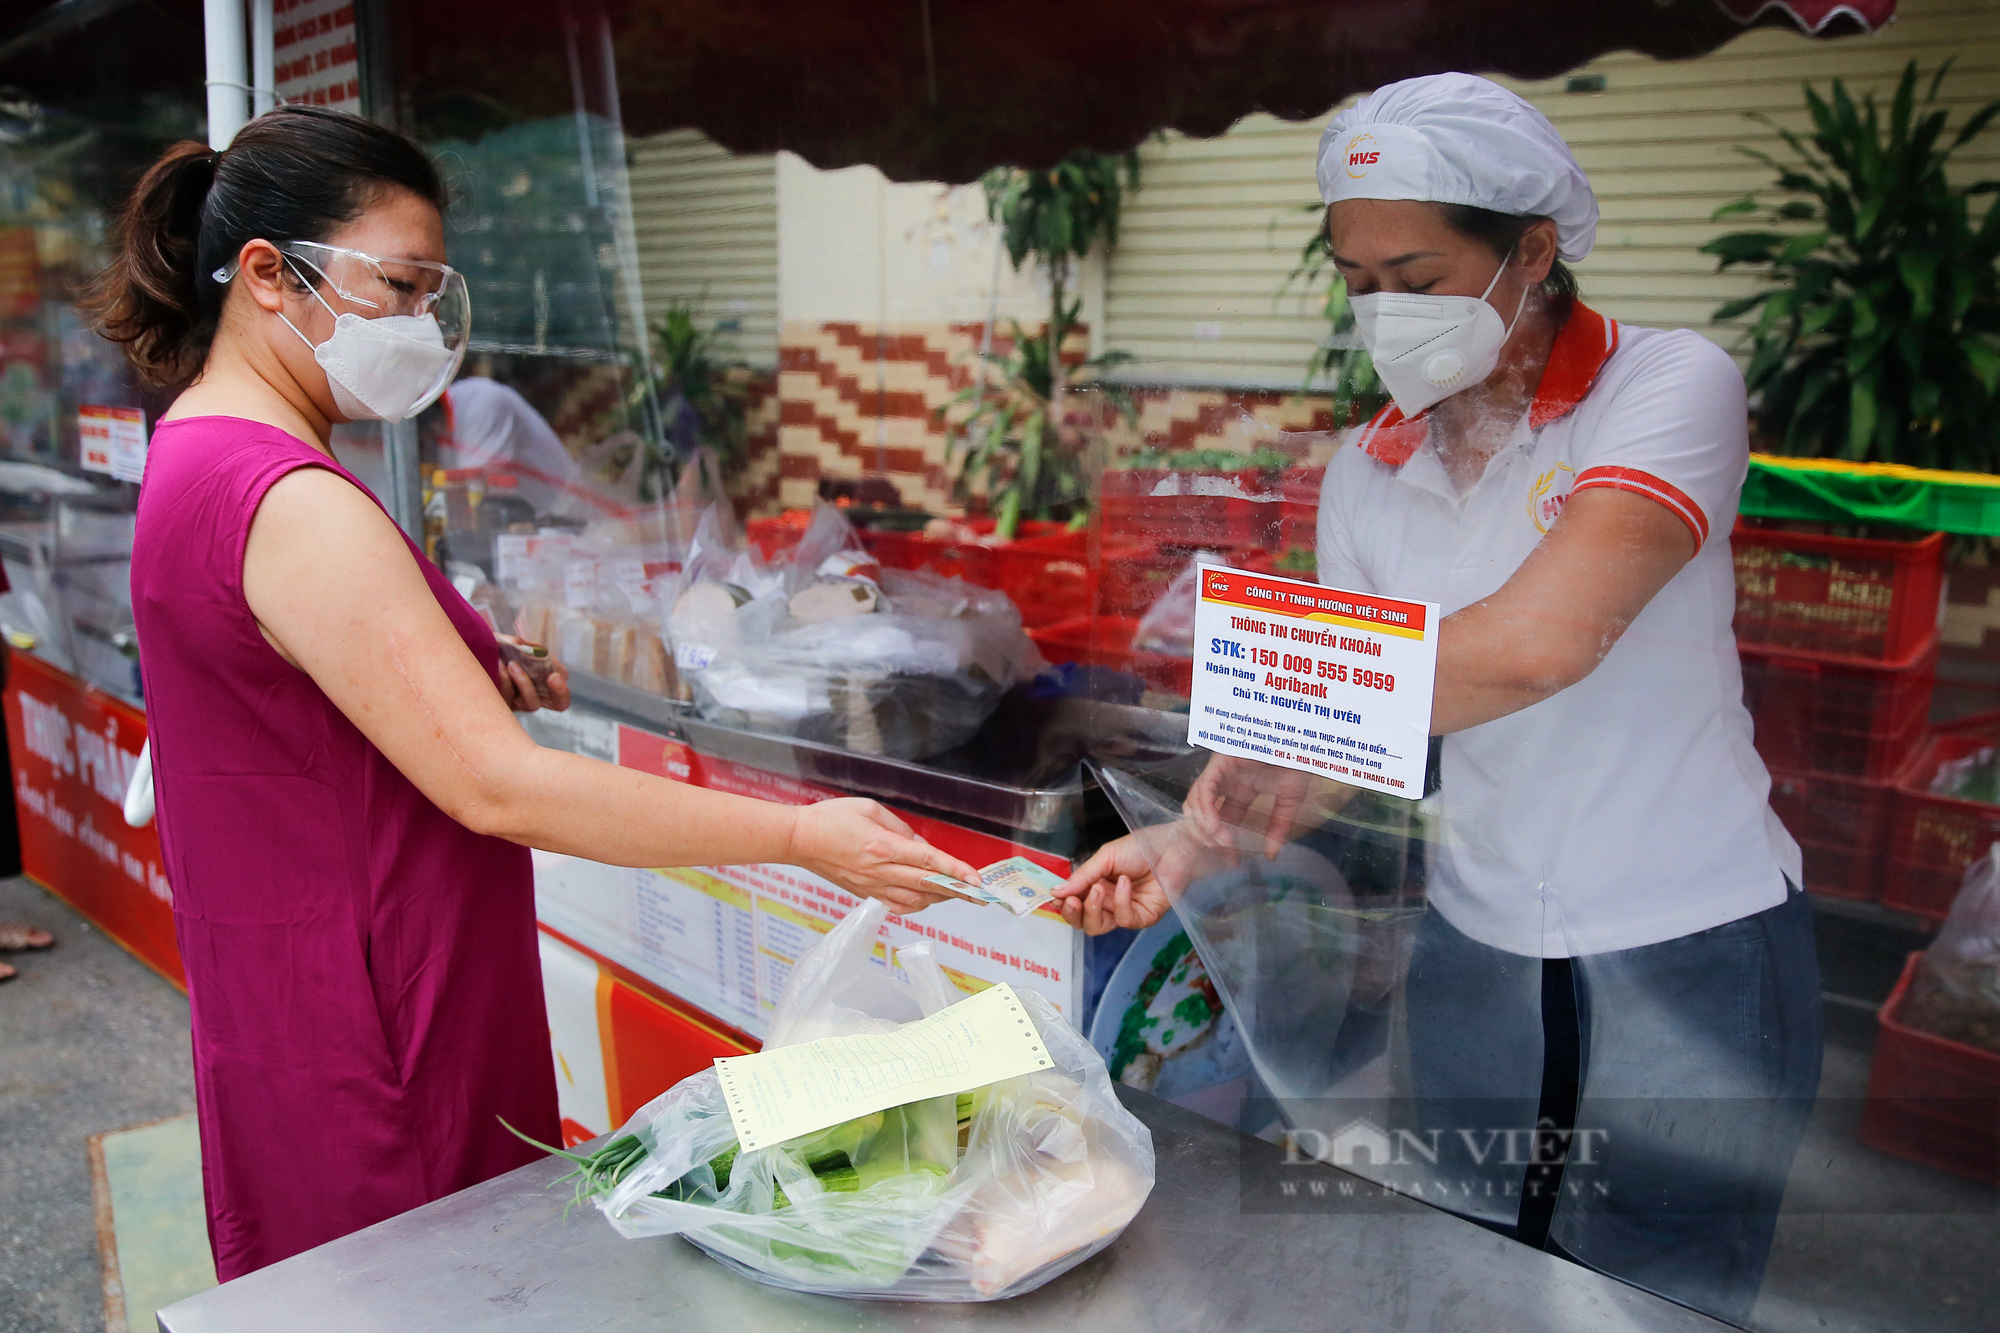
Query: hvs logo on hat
point(1361, 155)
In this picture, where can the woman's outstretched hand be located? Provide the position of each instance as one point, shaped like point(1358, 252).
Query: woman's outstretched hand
point(1226, 790)
point(1116, 887)
point(863, 847)
point(1131, 883)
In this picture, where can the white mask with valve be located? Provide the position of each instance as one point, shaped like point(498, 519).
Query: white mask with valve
point(1427, 348)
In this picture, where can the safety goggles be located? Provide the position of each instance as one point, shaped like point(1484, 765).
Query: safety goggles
point(374, 286)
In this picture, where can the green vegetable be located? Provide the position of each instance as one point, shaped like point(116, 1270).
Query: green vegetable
point(921, 1139)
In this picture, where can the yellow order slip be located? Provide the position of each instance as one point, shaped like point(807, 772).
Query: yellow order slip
point(777, 1095)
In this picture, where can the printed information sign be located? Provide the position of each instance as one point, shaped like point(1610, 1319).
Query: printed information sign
point(1314, 678)
point(725, 938)
point(113, 440)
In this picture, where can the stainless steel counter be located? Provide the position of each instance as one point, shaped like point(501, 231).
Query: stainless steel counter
point(1035, 785)
point(500, 1256)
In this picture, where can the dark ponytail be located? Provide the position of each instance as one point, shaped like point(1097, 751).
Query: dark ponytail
point(297, 173)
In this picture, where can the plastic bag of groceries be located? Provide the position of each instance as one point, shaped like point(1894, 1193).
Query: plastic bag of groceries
point(827, 646)
point(1956, 994)
point(1168, 625)
point(977, 1197)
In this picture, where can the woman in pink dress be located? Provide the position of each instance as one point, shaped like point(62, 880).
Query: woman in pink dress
point(345, 804)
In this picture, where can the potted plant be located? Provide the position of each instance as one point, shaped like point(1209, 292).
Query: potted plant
point(1012, 431)
point(1877, 337)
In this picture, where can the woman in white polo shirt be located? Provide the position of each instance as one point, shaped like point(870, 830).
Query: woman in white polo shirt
point(1614, 917)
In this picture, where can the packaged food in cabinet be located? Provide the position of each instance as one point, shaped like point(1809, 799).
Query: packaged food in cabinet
point(826, 645)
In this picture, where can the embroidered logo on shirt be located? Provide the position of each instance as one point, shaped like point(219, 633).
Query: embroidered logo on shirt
point(1545, 503)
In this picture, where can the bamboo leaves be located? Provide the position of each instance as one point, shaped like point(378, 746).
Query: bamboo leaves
point(1877, 333)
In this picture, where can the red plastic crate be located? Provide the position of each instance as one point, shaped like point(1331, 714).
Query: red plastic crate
point(1301, 486)
point(970, 561)
point(1023, 530)
point(1049, 578)
point(1106, 641)
point(1131, 513)
point(1842, 827)
point(892, 550)
point(1847, 596)
point(1936, 837)
point(1857, 719)
point(1931, 1100)
point(1135, 575)
point(775, 534)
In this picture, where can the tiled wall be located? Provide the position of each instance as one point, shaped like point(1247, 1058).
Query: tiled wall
point(755, 485)
point(855, 400)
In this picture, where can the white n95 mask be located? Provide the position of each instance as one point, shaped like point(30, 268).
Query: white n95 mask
point(1426, 348)
point(388, 368)
point(384, 369)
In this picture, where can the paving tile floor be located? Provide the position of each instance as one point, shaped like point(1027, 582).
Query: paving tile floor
point(152, 1177)
point(91, 1040)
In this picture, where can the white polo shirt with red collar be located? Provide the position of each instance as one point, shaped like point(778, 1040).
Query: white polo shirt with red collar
point(1629, 808)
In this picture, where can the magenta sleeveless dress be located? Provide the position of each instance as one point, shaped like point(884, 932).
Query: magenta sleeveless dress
point(363, 978)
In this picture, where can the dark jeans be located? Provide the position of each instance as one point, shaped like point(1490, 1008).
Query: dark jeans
point(1687, 1067)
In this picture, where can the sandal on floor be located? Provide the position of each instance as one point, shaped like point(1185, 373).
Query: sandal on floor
point(16, 938)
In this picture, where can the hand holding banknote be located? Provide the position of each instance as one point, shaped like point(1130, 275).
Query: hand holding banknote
point(863, 847)
point(1132, 882)
point(1017, 884)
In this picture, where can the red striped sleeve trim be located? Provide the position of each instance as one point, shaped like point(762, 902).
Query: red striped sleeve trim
point(1646, 484)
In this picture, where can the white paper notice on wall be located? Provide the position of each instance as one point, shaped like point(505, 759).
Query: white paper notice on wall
point(112, 440)
point(1314, 678)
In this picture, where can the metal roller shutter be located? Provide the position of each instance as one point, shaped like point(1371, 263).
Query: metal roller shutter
point(1193, 286)
point(706, 223)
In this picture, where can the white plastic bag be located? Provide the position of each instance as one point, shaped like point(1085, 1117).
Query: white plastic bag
point(1168, 625)
point(915, 1203)
point(1956, 994)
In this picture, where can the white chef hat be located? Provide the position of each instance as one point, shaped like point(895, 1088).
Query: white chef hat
point(1459, 139)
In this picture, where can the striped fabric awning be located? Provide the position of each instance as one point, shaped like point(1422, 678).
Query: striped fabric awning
point(1815, 15)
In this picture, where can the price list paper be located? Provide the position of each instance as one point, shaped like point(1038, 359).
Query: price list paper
point(1313, 678)
point(777, 1095)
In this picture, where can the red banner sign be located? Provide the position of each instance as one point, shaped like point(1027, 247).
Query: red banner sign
point(73, 750)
